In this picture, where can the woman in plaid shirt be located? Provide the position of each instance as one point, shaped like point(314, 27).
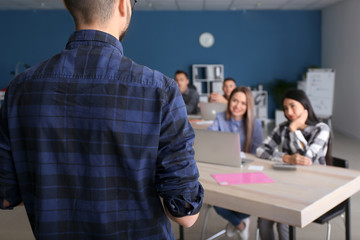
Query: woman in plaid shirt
point(301, 140)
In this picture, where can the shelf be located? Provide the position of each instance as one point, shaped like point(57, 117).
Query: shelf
point(208, 78)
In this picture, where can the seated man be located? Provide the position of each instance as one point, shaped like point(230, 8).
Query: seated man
point(190, 95)
point(229, 85)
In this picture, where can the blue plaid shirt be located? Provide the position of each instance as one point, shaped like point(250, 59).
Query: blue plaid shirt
point(89, 140)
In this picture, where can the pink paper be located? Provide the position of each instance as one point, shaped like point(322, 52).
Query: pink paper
point(242, 178)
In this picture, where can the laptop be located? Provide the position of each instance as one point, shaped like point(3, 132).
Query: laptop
point(216, 147)
point(208, 110)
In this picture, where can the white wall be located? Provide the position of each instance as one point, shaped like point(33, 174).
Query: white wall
point(341, 51)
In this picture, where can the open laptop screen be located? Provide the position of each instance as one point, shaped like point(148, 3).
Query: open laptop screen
point(215, 147)
point(208, 111)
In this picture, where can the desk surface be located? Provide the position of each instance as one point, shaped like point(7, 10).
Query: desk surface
point(296, 197)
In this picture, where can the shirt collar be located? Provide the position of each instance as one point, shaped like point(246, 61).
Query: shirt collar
point(93, 37)
point(235, 122)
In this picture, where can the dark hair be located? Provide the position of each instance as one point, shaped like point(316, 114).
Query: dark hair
point(229, 79)
point(88, 11)
point(300, 96)
point(248, 116)
point(181, 72)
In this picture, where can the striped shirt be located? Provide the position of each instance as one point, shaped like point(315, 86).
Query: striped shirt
point(311, 142)
point(90, 141)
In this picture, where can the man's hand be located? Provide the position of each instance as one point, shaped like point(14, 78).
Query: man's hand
point(216, 97)
point(6, 203)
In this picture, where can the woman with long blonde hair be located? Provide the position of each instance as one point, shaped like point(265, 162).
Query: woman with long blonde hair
point(239, 118)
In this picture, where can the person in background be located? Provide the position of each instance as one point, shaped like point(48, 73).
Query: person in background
point(189, 93)
point(229, 85)
point(95, 145)
point(239, 118)
point(304, 140)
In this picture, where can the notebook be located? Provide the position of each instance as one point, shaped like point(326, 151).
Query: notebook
point(215, 147)
point(208, 110)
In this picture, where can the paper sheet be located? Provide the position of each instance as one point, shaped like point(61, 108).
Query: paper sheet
point(255, 168)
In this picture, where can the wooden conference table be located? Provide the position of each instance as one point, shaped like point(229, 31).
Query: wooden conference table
point(296, 197)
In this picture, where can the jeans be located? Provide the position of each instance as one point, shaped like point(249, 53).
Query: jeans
point(235, 218)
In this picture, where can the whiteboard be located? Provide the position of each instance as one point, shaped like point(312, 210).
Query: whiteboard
point(320, 90)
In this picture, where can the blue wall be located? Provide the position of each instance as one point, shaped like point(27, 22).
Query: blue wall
point(30, 37)
point(255, 47)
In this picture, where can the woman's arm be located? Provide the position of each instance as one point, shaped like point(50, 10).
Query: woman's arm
point(306, 153)
point(216, 125)
point(297, 159)
point(269, 148)
point(314, 149)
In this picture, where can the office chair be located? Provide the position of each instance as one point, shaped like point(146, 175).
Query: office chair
point(340, 209)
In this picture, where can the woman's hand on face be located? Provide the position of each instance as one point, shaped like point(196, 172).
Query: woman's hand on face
point(299, 123)
point(297, 159)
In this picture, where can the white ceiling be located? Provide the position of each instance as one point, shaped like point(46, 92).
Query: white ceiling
point(185, 5)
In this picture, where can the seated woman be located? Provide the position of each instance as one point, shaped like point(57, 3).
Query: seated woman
point(228, 86)
point(239, 118)
point(304, 140)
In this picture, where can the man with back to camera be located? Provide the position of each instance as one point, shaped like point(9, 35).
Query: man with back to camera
point(91, 142)
point(190, 95)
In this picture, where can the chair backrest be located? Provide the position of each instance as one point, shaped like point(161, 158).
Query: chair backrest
point(329, 157)
point(338, 162)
